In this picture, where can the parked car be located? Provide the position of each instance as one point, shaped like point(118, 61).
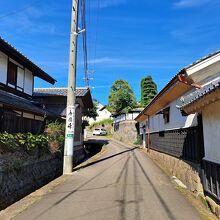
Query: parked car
point(99, 131)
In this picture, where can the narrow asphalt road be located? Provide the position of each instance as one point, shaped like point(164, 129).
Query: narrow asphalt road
point(123, 184)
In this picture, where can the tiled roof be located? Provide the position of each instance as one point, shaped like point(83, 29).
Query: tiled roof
point(203, 58)
point(8, 49)
point(42, 92)
point(20, 103)
point(199, 93)
point(174, 79)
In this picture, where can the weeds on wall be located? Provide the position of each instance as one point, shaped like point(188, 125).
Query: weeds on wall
point(138, 141)
point(101, 123)
point(51, 141)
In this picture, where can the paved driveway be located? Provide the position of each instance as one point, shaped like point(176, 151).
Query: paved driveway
point(123, 184)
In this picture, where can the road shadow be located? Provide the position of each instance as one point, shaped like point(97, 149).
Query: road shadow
point(103, 159)
point(40, 214)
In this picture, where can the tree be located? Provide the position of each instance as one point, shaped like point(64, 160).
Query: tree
point(121, 98)
point(92, 112)
point(148, 90)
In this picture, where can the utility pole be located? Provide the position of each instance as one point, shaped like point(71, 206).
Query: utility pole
point(71, 96)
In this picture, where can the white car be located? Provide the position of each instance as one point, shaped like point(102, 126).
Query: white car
point(99, 131)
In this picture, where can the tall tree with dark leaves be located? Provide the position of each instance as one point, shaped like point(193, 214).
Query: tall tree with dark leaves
point(121, 98)
point(92, 112)
point(148, 90)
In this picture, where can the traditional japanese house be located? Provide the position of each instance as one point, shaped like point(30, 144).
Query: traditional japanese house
point(54, 101)
point(206, 101)
point(18, 111)
point(183, 120)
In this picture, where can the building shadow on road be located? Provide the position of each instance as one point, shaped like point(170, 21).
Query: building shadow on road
point(95, 146)
point(122, 178)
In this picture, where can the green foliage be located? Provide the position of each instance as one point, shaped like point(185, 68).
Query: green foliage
point(121, 98)
point(148, 90)
point(56, 126)
point(138, 141)
point(92, 112)
point(8, 141)
point(27, 142)
point(55, 132)
point(34, 142)
point(52, 140)
point(101, 123)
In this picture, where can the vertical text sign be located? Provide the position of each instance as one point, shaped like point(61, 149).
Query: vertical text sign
point(70, 116)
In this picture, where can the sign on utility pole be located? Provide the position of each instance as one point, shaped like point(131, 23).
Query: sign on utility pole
point(71, 96)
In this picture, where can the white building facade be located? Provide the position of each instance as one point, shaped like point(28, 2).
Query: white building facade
point(102, 113)
point(183, 120)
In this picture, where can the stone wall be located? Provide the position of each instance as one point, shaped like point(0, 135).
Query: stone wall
point(125, 131)
point(78, 155)
point(18, 182)
point(189, 173)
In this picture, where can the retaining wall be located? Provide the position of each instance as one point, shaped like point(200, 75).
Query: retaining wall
point(189, 173)
point(125, 131)
point(20, 181)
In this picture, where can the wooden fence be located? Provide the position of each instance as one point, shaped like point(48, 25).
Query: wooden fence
point(211, 179)
point(13, 123)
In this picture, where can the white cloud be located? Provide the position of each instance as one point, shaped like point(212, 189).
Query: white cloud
point(124, 62)
point(190, 3)
point(27, 20)
point(103, 60)
point(100, 87)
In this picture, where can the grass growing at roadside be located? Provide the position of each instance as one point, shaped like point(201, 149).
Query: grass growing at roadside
point(101, 123)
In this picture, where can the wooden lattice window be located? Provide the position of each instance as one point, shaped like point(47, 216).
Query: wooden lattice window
point(12, 73)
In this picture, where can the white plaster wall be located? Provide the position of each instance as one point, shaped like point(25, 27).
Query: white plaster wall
point(104, 114)
point(28, 82)
point(176, 120)
point(39, 118)
point(123, 117)
point(28, 115)
point(211, 129)
point(3, 67)
point(179, 121)
point(20, 77)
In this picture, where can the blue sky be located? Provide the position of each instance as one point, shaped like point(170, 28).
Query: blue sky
point(126, 39)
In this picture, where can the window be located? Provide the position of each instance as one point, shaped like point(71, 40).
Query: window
point(166, 115)
point(12, 74)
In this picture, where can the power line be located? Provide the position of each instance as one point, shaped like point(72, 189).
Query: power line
point(85, 55)
point(96, 32)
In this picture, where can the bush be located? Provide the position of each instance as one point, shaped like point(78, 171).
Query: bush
point(51, 141)
point(55, 132)
point(30, 143)
point(138, 140)
point(36, 142)
point(8, 142)
point(108, 121)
